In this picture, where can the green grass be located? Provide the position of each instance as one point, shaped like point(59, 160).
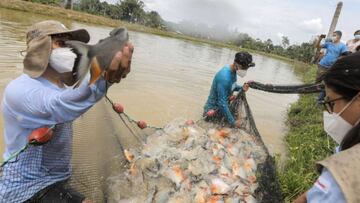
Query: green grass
point(306, 142)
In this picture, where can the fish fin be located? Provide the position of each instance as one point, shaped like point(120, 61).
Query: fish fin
point(121, 33)
point(82, 62)
point(118, 30)
point(95, 71)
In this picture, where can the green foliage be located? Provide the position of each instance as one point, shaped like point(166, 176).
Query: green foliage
point(303, 52)
point(133, 11)
point(307, 143)
point(154, 20)
point(128, 10)
point(49, 2)
point(285, 42)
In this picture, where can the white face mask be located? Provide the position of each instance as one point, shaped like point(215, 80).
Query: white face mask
point(241, 73)
point(335, 126)
point(62, 59)
point(334, 38)
point(357, 36)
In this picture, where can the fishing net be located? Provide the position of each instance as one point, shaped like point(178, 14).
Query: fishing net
point(288, 89)
point(116, 161)
point(157, 162)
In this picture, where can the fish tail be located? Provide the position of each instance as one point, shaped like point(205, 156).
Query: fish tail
point(82, 62)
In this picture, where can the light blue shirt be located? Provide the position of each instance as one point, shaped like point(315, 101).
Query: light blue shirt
point(27, 105)
point(222, 86)
point(325, 189)
point(333, 51)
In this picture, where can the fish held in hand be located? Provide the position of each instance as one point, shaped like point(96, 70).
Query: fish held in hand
point(97, 58)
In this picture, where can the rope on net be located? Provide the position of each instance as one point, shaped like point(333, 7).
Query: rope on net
point(288, 89)
point(128, 117)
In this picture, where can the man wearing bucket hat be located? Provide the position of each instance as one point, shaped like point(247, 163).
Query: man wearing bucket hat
point(39, 98)
point(224, 83)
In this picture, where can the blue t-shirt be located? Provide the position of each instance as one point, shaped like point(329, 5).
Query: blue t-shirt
point(333, 51)
point(222, 86)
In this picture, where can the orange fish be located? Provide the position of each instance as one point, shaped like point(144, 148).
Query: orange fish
point(166, 162)
point(216, 199)
point(201, 195)
point(218, 186)
point(128, 155)
point(223, 133)
point(250, 165)
point(133, 169)
point(217, 160)
point(238, 171)
point(176, 175)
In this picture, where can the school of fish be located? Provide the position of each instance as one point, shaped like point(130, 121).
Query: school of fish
point(187, 163)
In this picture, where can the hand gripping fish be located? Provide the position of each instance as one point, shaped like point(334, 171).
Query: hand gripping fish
point(96, 58)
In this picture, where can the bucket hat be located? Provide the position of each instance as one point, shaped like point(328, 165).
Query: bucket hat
point(38, 41)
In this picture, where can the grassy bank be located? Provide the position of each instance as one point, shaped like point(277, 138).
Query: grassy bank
point(61, 13)
point(306, 142)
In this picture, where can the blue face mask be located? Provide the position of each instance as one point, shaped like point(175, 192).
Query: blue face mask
point(357, 36)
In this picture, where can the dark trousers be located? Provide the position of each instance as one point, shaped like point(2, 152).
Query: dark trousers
point(320, 72)
point(59, 192)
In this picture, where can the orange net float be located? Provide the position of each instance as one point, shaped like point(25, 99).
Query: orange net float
point(40, 136)
point(119, 108)
point(189, 122)
point(141, 124)
point(211, 113)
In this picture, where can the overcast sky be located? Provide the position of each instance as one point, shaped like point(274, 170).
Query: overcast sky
point(300, 20)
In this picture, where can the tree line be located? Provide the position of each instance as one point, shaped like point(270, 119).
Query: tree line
point(133, 12)
point(128, 10)
point(303, 52)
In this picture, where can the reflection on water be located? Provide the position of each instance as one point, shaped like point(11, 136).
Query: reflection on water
point(170, 78)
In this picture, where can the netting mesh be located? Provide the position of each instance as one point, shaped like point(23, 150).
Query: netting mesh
point(100, 137)
point(178, 163)
point(269, 187)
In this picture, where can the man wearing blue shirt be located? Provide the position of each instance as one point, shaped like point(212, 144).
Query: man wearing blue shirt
point(334, 49)
point(40, 98)
point(224, 84)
